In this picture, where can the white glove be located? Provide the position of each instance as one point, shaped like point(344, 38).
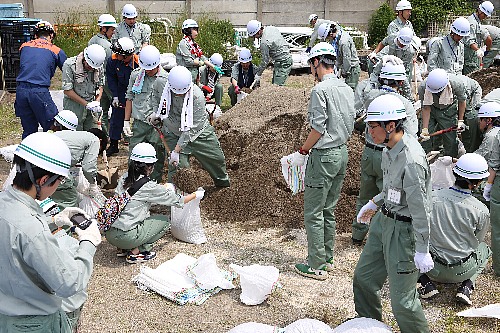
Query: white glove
point(297, 159)
point(96, 111)
point(116, 102)
point(424, 135)
point(174, 158)
point(200, 192)
point(461, 126)
point(93, 190)
point(372, 56)
point(91, 105)
point(170, 187)
point(256, 79)
point(486, 192)
point(126, 128)
point(63, 218)
point(369, 206)
point(153, 119)
point(91, 234)
point(479, 53)
point(423, 262)
point(392, 59)
point(446, 160)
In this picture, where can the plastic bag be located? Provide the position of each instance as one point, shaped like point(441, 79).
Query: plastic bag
point(8, 152)
point(257, 282)
point(362, 325)
point(186, 223)
point(307, 325)
point(206, 274)
point(253, 327)
point(241, 96)
point(442, 173)
point(10, 178)
point(294, 175)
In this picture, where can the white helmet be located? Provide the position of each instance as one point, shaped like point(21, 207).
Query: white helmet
point(403, 4)
point(189, 23)
point(143, 152)
point(437, 80)
point(253, 27)
point(180, 80)
point(106, 20)
point(67, 119)
point(416, 43)
point(149, 58)
point(487, 8)
point(129, 11)
point(312, 17)
point(385, 107)
point(46, 151)
point(123, 46)
point(394, 72)
point(461, 26)
point(245, 55)
point(472, 166)
point(324, 30)
point(320, 49)
point(405, 35)
point(94, 55)
point(489, 110)
point(216, 59)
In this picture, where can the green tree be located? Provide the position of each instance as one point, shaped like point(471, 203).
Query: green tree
point(377, 26)
point(426, 11)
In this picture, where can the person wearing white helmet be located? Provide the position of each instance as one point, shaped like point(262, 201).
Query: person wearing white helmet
point(399, 216)
point(31, 255)
point(209, 79)
point(347, 56)
point(180, 106)
point(459, 225)
point(272, 47)
point(242, 76)
point(315, 23)
point(38, 61)
point(139, 32)
point(135, 231)
point(471, 137)
point(391, 81)
point(138, 105)
point(443, 99)
point(330, 117)
point(477, 38)
point(448, 52)
point(107, 25)
point(489, 124)
point(82, 82)
point(118, 70)
point(489, 55)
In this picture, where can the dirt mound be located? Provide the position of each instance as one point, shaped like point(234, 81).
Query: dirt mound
point(488, 78)
point(254, 135)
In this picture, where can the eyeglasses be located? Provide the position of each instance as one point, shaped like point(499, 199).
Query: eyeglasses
point(372, 127)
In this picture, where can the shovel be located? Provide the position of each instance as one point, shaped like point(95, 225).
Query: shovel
point(446, 130)
point(107, 178)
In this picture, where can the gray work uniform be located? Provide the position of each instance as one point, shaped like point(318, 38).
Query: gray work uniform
point(211, 79)
point(142, 107)
point(447, 54)
point(392, 243)
point(274, 47)
point(331, 113)
point(184, 57)
point(314, 34)
point(86, 90)
point(135, 227)
point(488, 143)
point(477, 36)
point(494, 33)
point(84, 149)
point(36, 272)
point(347, 58)
point(140, 33)
point(246, 80)
point(444, 116)
point(471, 137)
point(494, 163)
point(396, 25)
point(458, 226)
point(371, 178)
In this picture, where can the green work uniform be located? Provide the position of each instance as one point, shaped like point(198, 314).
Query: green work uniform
point(314, 34)
point(211, 79)
point(43, 273)
point(86, 90)
point(274, 47)
point(142, 107)
point(396, 25)
point(84, 149)
point(458, 225)
point(471, 137)
point(494, 163)
point(477, 36)
point(140, 33)
point(447, 54)
point(184, 57)
point(371, 178)
point(330, 112)
point(347, 58)
point(392, 243)
point(494, 33)
point(444, 116)
point(135, 227)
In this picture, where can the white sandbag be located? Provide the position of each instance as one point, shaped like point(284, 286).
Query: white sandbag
point(186, 223)
point(253, 327)
point(308, 325)
point(257, 282)
point(362, 325)
point(214, 110)
point(10, 178)
point(241, 96)
point(206, 274)
point(488, 311)
point(294, 175)
point(442, 173)
point(57, 97)
point(8, 152)
point(167, 61)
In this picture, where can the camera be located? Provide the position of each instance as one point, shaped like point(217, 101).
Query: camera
point(80, 221)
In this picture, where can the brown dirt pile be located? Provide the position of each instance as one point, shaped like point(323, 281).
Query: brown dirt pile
point(254, 135)
point(488, 78)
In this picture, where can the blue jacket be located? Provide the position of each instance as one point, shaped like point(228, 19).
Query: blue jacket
point(118, 75)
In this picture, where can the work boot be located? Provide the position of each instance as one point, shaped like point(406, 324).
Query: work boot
point(113, 148)
point(464, 291)
point(428, 290)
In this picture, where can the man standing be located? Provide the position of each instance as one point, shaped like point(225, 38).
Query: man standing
point(38, 62)
point(330, 115)
point(242, 75)
point(314, 23)
point(272, 47)
point(398, 244)
point(139, 32)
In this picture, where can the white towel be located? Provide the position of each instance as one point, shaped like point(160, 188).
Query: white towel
point(446, 97)
point(187, 107)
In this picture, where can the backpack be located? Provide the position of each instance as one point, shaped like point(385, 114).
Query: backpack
point(113, 206)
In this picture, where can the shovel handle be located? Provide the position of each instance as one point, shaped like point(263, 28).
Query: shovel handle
point(162, 138)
